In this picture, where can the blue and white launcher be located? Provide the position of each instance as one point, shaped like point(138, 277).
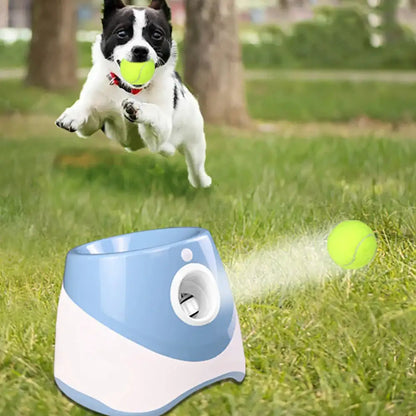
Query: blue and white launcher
point(144, 320)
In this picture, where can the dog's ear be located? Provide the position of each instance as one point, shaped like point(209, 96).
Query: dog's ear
point(110, 6)
point(161, 5)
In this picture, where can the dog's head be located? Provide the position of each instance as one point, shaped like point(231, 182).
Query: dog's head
point(136, 34)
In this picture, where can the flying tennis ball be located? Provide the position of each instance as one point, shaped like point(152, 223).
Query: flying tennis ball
point(137, 73)
point(352, 244)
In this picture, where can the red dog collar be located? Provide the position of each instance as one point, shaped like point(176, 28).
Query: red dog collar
point(116, 80)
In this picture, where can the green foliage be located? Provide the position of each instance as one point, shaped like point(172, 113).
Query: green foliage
point(399, 52)
point(335, 38)
point(332, 39)
point(271, 51)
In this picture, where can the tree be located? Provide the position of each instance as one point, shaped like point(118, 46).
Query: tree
point(213, 67)
point(284, 4)
point(4, 13)
point(391, 27)
point(53, 50)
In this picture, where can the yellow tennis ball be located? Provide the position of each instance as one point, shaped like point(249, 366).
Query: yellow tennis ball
point(137, 73)
point(352, 244)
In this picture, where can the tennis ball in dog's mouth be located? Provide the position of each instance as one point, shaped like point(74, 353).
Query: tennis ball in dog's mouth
point(352, 244)
point(137, 73)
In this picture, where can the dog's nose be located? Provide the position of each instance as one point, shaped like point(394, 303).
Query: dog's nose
point(140, 54)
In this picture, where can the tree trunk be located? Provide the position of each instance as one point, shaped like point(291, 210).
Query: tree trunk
point(412, 4)
point(389, 10)
point(213, 67)
point(53, 49)
point(4, 13)
point(284, 4)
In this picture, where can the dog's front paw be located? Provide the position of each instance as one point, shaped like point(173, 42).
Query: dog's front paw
point(71, 120)
point(201, 181)
point(131, 110)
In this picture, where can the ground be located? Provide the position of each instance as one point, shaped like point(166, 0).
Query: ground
point(323, 152)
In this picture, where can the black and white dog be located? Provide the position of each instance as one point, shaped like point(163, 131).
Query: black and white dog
point(162, 115)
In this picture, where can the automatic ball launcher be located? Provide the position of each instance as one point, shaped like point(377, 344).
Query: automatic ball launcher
point(144, 320)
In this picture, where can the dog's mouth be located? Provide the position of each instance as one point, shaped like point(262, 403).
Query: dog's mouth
point(127, 83)
point(123, 84)
point(157, 63)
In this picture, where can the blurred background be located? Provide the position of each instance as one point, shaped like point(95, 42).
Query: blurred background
point(274, 33)
point(295, 33)
point(292, 40)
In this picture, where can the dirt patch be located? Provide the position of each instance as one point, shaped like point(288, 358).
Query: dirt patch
point(81, 160)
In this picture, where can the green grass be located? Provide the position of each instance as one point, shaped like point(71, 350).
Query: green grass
point(344, 347)
point(17, 98)
point(331, 100)
point(272, 100)
point(15, 55)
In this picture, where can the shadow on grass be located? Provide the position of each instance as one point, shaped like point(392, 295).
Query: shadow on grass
point(139, 174)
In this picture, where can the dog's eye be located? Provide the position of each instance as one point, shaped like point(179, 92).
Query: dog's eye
point(157, 36)
point(122, 34)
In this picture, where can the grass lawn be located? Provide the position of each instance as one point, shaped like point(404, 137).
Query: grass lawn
point(343, 347)
point(297, 101)
point(14, 55)
point(331, 100)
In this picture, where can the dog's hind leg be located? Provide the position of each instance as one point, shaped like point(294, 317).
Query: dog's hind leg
point(123, 132)
point(154, 126)
point(195, 160)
